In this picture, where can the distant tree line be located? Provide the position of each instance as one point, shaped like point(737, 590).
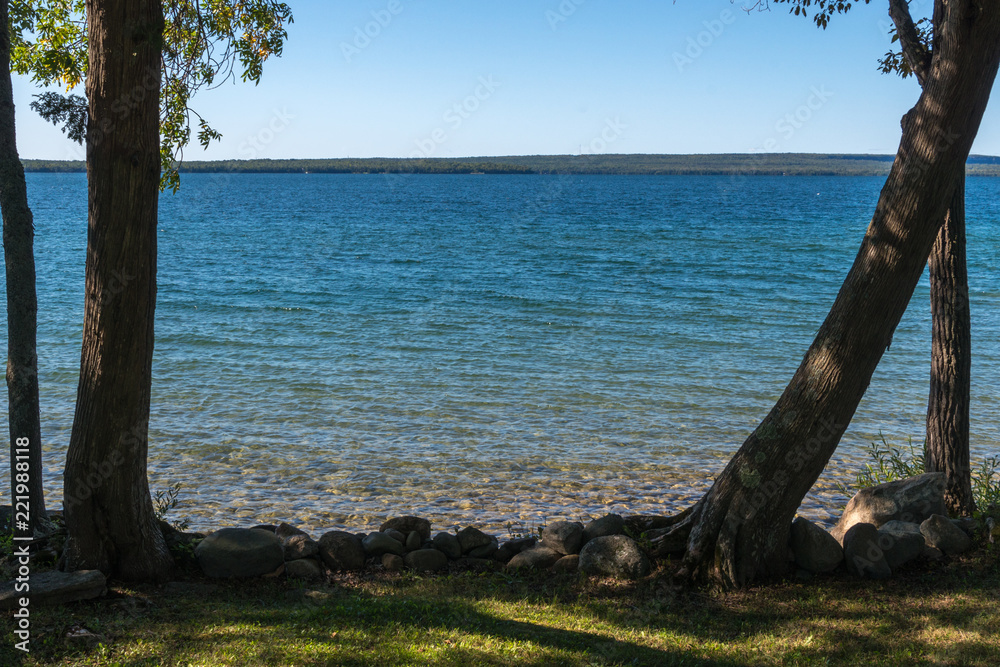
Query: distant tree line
point(764, 164)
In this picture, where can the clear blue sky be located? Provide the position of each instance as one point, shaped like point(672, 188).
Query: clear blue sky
point(553, 77)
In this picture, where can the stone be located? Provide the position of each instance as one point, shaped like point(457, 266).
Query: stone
point(912, 499)
point(284, 531)
point(377, 544)
point(901, 527)
point(448, 544)
point(342, 551)
point(264, 526)
point(616, 556)
point(54, 587)
point(511, 548)
point(569, 563)
point(931, 553)
point(413, 541)
point(941, 533)
point(566, 537)
point(487, 550)
point(239, 552)
point(407, 524)
point(968, 524)
point(536, 558)
point(609, 524)
point(478, 564)
point(392, 562)
point(426, 560)
point(863, 554)
point(396, 535)
point(814, 549)
point(471, 538)
point(307, 569)
point(899, 544)
point(300, 546)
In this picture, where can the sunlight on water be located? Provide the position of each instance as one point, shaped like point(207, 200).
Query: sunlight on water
point(333, 349)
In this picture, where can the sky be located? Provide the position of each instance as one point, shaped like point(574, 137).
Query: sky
point(449, 78)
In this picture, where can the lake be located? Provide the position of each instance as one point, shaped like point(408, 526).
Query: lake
point(333, 349)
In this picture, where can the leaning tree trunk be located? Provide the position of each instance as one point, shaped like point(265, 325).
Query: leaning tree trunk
point(22, 304)
point(947, 448)
point(739, 530)
point(109, 513)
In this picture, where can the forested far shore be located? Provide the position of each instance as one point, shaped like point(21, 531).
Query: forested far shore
point(750, 164)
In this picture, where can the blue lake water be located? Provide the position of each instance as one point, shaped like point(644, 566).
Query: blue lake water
point(332, 349)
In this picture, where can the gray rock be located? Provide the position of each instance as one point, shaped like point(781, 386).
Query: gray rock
point(392, 562)
point(264, 526)
point(511, 548)
point(54, 587)
point(448, 544)
point(569, 563)
point(968, 525)
point(899, 544)
point(912, 499)
point(342, 551)
point(863, 554)
point(614, 556)
point(471, 538)
point(609, 524)
point(300, 546)
point(941, 533)
point(396, 535)
point(932, 553)
point(284, 531)
point(304, 568)
point(814, 549)
point(413, 541)
point(407, 524)
point(378, 544)
point(536, 558)
point(426, 560)
point(239, 552)
point(566, 537)
point(901, 527)
point(485, 551)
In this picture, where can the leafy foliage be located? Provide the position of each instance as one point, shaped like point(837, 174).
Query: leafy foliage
point(68, 110)
point(890, 464)
point(204, 42)
point(167, 499)
point(823, 10)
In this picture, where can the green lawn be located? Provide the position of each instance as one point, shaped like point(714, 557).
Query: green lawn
point(937, 614)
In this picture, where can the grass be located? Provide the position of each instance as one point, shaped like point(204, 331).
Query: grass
point(935, 613)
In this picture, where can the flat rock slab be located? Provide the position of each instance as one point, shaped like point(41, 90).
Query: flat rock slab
point(239, 552)
point(54, 587)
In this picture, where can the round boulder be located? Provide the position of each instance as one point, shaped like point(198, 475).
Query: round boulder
point(342, 551)
point(566, 537)
point(407, 524)
point(614, 556)
point(239, 552)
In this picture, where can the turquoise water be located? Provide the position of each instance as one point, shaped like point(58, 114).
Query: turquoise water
point(335, 348)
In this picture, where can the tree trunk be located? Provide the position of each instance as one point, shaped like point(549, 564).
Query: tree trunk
point(22, 305)
point(739, 530)
point(947, 448)
point(109, 513)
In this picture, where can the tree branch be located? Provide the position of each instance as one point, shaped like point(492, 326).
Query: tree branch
point(916, 53)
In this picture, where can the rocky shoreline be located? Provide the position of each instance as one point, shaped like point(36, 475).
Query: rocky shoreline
point(882, 529)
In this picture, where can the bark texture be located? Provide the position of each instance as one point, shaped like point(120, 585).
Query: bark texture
point(22, 302)
point(109, 513)
point(740, 529)
point(947, 448)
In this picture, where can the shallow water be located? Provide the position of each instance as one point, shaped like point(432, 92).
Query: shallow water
point(332, 349)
